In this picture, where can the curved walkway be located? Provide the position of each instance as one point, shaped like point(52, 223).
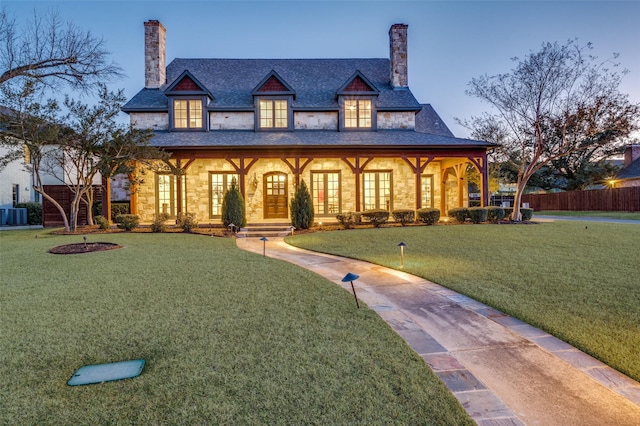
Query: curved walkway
point(502, 370)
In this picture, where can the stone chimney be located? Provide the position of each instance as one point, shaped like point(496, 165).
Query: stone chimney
point(631, 154)
point(398, 56)
point(155, 72)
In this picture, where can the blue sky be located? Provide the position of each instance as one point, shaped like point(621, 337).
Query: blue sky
point(450, 42)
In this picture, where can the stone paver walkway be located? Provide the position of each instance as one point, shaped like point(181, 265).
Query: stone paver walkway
point(502, 370)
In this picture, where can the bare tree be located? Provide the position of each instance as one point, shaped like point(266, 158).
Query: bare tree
point(556, 102)
point(53, 53)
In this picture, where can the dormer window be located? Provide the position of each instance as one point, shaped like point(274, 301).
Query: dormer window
point(273, 98)
point(357, 103)
point(187, 114)
point(187, 103)
point(273, 113)
point(357, 113)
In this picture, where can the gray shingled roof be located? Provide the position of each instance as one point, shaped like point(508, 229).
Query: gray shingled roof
point(315, 82)
point(428, 121)
point(632, 171)
point(381, 138)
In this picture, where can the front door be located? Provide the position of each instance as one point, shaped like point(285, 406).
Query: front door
point(275, 196)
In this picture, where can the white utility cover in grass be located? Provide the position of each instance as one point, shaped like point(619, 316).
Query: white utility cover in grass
point(90, 374)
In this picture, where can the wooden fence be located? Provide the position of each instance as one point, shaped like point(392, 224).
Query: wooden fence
point(61, 193)
point(616, 199)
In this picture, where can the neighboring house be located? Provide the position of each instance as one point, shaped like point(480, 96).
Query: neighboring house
point(630, 174)
point(350, 128)
point(15, 183)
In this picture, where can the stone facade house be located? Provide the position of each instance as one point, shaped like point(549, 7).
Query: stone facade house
point(350, 128)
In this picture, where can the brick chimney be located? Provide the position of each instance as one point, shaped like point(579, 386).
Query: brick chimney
point(631, 154)
point(398, 56)
point(154, 54)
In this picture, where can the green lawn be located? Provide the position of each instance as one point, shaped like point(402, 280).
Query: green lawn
point(580, 281)
point(610, 215)
point(229, 337)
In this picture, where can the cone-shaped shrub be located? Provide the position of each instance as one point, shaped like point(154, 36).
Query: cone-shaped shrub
point(233, 207)
point(302, 208)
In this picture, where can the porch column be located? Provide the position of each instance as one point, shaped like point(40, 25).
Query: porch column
point(484, 181)
point(179, 189)
point(106, 198)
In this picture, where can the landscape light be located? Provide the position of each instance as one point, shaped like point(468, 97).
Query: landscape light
point(264, 245)
point(402, 245)
point(351, 278)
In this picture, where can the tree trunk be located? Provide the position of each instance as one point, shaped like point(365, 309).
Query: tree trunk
point(516, 215)
point(65, 221)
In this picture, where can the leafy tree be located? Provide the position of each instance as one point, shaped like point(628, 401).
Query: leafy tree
point(302, 207)
point(574, 172)
point(556, 102)
point(233, 206)
point(73, 148)
point(53, 53)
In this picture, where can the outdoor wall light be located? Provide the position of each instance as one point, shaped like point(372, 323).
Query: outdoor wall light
point(351, 278)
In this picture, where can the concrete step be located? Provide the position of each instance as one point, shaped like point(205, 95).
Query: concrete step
point(259, 230)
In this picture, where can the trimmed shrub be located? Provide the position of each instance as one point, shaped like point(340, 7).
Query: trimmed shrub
point(127, 221)
point(428, 216)
point(495, 213)
point(187, 221)
point(34, 212)
point(101, 221)
point(403, 216)
point(459, 214)
point(347, 220)
point(376, 217)
point(477, 214)
point(119, 208)
point(301, 208)
point(507, 212)
point(527, 214)
point(233, 207)
point(158, 224)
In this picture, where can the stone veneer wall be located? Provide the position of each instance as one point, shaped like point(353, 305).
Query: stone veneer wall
point(315, 120)
point(397, 120)
point(197, 183)
point(231, 121)
point(149, 120)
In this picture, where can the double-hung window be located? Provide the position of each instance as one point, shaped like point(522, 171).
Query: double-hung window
point(357, 114)
point(273, 113)
point(187, 114)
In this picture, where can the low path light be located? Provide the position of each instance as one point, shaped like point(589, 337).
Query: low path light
point(231, 227)
point(293, 228)
point(264, 245)
point(402, 245)
point(351, 278)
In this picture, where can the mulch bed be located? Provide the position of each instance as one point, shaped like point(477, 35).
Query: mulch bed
point(83, 248)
